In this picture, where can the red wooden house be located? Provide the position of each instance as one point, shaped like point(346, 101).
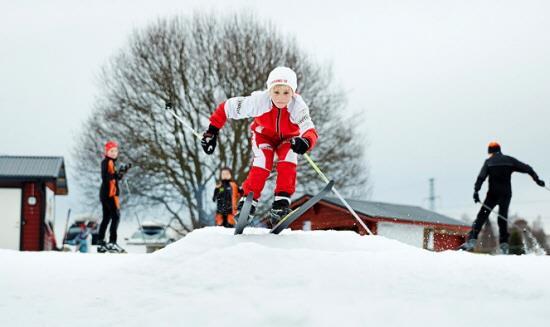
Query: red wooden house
point(409, 224)
point(28, 186)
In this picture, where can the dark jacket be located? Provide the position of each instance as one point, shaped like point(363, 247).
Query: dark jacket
point(499, 168)
point(109, 180)
point(226, 197)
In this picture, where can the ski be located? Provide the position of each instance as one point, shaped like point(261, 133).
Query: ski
point(296, 213)
point(115, 248)
point(243, 215)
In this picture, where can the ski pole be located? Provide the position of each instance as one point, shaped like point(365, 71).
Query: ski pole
point(525, 230)
point(491, 211)
point(171, 111)
point(326, 180)
point(137, 218)
point(191, 129)
point(66, 227)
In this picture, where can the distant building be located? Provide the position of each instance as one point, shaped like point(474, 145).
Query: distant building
point(409, 224)
point(28, 186)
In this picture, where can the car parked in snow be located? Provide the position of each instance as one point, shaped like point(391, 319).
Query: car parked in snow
point(154, 235)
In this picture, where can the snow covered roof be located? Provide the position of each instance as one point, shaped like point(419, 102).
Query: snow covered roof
point(396, 211)
point(18, 168)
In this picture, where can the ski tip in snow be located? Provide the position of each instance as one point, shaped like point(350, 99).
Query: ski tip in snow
point(242, 220)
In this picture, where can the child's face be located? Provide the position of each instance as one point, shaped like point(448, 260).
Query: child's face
point(112, 153)
point(281, 95)
point(226, 175)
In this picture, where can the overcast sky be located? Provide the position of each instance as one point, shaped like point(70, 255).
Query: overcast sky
point(435, 81)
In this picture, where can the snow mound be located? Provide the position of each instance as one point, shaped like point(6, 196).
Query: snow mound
point(213, 278)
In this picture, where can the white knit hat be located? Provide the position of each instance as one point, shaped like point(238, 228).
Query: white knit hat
point(282, 76)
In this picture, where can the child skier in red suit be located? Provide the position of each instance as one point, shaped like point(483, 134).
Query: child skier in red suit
point(282, 126)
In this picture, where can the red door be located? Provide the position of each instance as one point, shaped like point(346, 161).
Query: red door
point(32, 217)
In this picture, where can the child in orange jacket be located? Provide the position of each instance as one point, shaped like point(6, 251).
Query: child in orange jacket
point(108, 195)
point(226, 196)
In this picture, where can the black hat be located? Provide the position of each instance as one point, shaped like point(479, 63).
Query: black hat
point(493, 147)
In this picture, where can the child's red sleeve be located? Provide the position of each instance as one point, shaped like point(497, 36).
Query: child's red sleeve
point(311, 136)
point(219, 117)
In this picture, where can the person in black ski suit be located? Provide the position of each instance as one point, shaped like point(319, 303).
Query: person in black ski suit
point(108, 195)
point(226, 196)
point(499, 168)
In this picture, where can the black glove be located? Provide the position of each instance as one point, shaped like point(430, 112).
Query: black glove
point(124, 168)
point(476, 197)
point(209, 139)
point(299, 145)
point(540, 182)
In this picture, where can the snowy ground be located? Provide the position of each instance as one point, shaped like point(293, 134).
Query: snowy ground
point(212, 278)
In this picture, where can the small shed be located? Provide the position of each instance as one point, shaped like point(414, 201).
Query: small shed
point(409, 224)
point(28, 186)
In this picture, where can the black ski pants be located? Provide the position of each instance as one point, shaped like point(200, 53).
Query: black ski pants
point(110, 214)
point(491, 201)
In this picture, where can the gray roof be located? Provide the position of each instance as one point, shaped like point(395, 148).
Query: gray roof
point(396, 211)
point(34, 167)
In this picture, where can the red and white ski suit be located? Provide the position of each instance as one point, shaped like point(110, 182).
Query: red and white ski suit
point(272, 130)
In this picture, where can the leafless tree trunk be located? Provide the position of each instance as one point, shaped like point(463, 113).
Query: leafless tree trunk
point(195, 63)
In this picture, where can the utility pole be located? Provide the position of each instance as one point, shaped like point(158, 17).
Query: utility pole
point(432, 196)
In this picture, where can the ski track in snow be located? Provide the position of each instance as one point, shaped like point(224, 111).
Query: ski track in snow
point(213, 278)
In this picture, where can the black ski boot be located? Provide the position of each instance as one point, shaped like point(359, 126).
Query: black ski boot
point(279, 209)
point(468, 245)
point(101, 247)
point(115, 248)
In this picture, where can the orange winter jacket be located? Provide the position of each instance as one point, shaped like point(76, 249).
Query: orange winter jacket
point(109, 181)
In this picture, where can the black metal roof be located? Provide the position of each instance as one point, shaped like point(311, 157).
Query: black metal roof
point(22, 168)
point(396, 211)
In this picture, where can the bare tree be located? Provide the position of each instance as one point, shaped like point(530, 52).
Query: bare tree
point(196, 62)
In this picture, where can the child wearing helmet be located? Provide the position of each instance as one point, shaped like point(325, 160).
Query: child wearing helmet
point(282, 127)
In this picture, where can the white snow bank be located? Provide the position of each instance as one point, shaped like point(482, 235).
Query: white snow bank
point(213, 278)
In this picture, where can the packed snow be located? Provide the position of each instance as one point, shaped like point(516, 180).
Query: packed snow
point(321, 278)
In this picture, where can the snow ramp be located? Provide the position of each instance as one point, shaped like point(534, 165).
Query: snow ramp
point(321, 278)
